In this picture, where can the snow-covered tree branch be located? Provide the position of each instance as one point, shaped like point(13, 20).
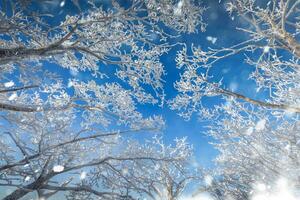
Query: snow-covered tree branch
point(64, 133)
point(257, 136)
point(43, 153)
point(129, 40)
point(272, 30)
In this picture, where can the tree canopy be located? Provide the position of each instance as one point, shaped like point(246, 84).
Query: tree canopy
point(88, 138)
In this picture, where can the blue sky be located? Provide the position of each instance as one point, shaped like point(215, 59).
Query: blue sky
point(221, 28)
point(221, 31)
point(233, 70)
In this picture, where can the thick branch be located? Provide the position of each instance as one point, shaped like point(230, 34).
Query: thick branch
point(27, 159)
point(85, 189)
point(21, 192)
point(259, 103)
point(19, 88)
point(39, 182)
point(17, 108)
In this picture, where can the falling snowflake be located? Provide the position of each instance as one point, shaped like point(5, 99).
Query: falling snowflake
point(266, 49)
point(211, 39)
point(287, 147)
point(70, 84)
point(249, 131)
point(260, 125)
point(62, 3)
point(27, 178)
point(9, 84)
point(156, 167)
point(124, 171)
point(58, 168)
point(12, 97)
point(82, 175)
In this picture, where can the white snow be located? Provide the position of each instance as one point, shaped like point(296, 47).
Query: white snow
point(39, 108)
point(62, 3)
point(27, 178)
point(260, 187)
point(266, 49)
point(249, 131)
point(58, 168)
point(281, 191)
point(12, 97)
point(260, 125)
point(82, 175)
point(70, 84)
point(9, 84)
point(156, 167)
point(211, 39)
point(208, 180)
point(287, 147)
point(124, 171)
point(73, 72)
point(178, 8)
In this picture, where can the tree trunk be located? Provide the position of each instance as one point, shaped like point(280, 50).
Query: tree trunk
point(21, 192)
point(17, 194)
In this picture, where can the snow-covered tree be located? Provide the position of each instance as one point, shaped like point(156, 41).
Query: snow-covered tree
point(126, 39)
point(258, 138)
point(169, 180)
point(272, 48)
point(43, 154)
point(63, 132)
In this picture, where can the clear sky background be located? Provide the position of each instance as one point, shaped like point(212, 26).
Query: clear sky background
point(221, 28)
point(221, 32)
